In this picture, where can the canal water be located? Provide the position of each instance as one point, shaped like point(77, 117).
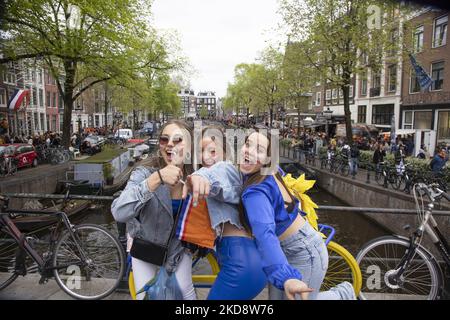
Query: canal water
point(353, 230)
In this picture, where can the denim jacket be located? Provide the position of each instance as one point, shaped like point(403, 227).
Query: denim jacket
point(148, 214)
point(224, 195)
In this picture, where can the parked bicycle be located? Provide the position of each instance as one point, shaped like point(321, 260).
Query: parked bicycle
point(386, 174)
point(87, 261)
point(396, 267)
point(8, 166)
point(340, 166)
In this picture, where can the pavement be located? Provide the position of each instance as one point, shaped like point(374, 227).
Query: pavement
point(28, 288)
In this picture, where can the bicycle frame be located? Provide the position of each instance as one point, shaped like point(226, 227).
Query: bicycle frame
point(24, 245)
point(428, 225)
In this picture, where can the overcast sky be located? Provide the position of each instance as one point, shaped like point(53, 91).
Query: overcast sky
point(216, 35)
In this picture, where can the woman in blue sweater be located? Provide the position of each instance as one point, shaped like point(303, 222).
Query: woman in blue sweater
point(294, 255)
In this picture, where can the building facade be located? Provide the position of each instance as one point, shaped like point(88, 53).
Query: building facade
point(188, 103)
point(206, 103)
point(429, 109)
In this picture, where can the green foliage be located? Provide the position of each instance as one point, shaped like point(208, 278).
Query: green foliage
point(107, 170)
point(83, 43)
point(334, 37)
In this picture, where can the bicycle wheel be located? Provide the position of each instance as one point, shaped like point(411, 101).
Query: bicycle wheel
point(205, 270)
point(93, 272)
point(13, 168)
point(379, 177)
point(342, 267)
point(345, 169)
point(379, 259)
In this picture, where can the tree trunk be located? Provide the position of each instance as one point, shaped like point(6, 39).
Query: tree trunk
point(348, 120)
point(69, 68)
point(106, 104)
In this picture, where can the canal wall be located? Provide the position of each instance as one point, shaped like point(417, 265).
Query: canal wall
point(43, 179)
point(358, 193)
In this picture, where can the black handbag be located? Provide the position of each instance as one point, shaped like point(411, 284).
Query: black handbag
point(152, 252)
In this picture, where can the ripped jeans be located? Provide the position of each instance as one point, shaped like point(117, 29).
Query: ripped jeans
point(306, 251)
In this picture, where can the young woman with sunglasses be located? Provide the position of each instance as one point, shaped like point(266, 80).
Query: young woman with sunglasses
point(241, 276)
point(150, 202)
point(294, 255)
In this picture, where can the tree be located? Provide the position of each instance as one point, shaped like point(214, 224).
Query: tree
point(297, 80)
point(83, 43)
point(256, 86)
point(335, 36)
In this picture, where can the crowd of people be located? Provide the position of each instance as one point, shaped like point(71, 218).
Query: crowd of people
point(304, 142)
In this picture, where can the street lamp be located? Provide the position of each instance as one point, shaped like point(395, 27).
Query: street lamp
point(327, 115)
point(79, 124)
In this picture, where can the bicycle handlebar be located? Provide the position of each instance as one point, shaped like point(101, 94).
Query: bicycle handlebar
point(446, 196)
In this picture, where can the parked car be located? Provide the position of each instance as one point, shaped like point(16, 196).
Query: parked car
point(153, 144)
point(24, 153)
point(95, 140)
point(124, 134)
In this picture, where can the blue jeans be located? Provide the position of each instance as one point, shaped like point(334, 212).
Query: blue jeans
point(306, 251)
point(353, 166)
point(241, 276)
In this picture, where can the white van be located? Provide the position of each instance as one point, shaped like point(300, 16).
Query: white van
point(124, 134)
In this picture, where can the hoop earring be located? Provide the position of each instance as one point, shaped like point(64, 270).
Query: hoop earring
point(158, 154)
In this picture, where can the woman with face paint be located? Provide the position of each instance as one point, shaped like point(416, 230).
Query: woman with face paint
point(293, 254)
point(150, 202)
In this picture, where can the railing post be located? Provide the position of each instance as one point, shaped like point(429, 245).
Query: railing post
point(385, 183)
point(368, 174)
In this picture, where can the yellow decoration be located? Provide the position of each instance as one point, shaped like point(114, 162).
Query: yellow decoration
point(298, 187)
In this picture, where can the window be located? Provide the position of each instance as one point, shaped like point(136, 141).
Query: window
point(47, 99)
point(382, 114)
point(341, 93)
point(362, 114)
point(414, 85)
point(41, 117)
point(350, 92)
point(437, 74)
point(418, 39)
point(440, 31)
point(443, 129)
point(328, 97)
point(393, 38)
point(334, 95)
point(408, 122)
point(364, 59)
point(318, 98)
point(422, 119)
point(376, 79)
point(364, 84)
point(41, 98)
point(9, 77)
point(54, 100)
point(392, 78)
point(34, 97)
point(54, 122)
point(2, 96)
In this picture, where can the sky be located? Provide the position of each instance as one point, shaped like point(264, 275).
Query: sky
point(216, 35)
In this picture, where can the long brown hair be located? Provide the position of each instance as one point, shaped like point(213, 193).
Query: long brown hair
point(257, 178)
point(158, 161)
